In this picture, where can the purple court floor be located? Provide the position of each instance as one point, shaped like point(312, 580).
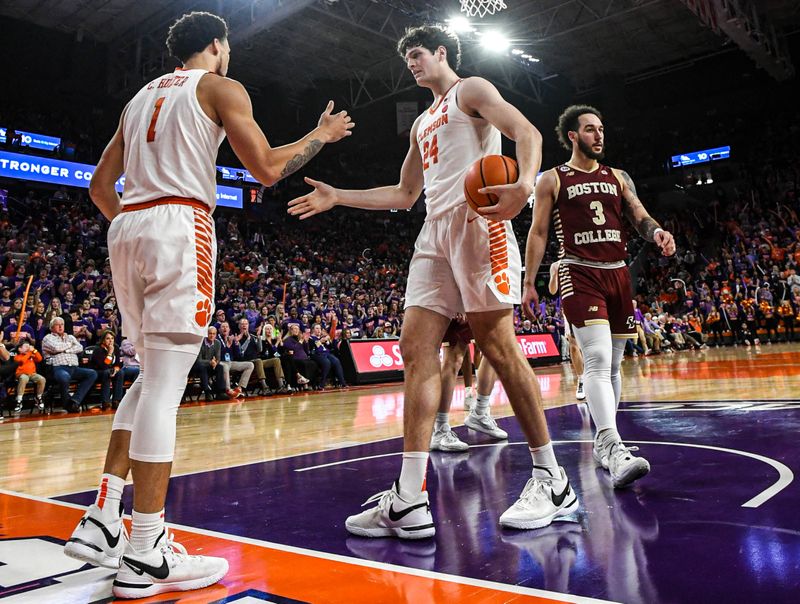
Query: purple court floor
point(717, 520)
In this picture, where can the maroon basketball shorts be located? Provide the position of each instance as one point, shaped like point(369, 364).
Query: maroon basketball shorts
point(598, 296)
point(457, 333)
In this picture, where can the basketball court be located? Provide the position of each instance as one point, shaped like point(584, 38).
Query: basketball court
point(268, 483)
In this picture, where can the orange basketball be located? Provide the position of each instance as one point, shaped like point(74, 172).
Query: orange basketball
point(488, 171)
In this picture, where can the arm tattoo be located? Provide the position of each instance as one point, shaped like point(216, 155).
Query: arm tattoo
point(301, 159)
point(645, 225)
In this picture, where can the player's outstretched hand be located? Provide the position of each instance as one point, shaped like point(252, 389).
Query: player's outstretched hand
point(666, 242)
point(321, 199)
point(530, 298)
point(335, 125)
point(511, 199)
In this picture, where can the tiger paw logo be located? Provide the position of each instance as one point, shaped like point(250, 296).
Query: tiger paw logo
point(203, 314)
point(502, 283)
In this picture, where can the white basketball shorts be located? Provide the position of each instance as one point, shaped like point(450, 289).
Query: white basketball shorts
point(163, 255)
point(464, 263)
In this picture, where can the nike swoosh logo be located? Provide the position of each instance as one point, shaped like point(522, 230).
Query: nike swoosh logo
point(473, 219)
point(559, 499)
point(395, 516)
point(112, 540)
point(159, 572)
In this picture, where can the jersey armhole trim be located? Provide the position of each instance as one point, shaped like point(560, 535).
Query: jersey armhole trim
point(558, 186)
point(620, 180)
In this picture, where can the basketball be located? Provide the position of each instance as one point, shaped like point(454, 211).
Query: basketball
point(488, 171)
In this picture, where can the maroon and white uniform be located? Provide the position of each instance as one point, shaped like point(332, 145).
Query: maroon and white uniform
point(593, 278)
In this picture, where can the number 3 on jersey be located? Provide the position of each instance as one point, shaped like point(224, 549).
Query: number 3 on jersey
point(430, 152)
point(151, 131)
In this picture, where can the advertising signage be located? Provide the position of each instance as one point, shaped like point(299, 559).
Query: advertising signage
point(73, 174)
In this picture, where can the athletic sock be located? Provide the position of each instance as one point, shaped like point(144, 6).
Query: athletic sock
point(109, 494)
point(482, 404)
point(145, 530)
point(545, 464)
point(442, 420)
point(412, 474)
point(607, 438)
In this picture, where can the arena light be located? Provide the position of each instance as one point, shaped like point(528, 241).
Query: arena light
point(494, 41)
point(517, 52)
point(459, 25)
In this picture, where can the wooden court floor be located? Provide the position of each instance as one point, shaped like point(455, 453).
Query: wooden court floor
point(50, 465)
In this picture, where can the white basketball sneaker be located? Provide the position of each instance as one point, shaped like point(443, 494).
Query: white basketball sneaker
point(444, 439)
point(485, 423)
point(98, 542)
point(167, 567)
point(580, 394)
point(624, 467)
point(470, 400)
point(394, 516)
point(542, 501)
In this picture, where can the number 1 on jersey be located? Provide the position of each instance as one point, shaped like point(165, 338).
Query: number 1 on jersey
point(151, 131)
point(430, 151)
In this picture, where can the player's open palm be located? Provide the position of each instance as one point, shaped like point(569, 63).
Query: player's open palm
point(335, 125)
point(321, 199)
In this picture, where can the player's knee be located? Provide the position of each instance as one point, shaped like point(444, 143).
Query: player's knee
point(414, 349)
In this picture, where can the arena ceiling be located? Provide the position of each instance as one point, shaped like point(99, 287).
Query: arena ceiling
point(302, 43)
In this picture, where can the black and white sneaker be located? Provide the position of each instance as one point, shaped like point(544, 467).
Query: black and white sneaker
point(97, 542)
point(542, 501)
point(167, 567)
point(394, 516)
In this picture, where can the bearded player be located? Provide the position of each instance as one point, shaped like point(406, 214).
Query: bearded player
point(586, 201)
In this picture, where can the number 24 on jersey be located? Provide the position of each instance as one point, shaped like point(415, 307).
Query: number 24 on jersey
point(430, 152)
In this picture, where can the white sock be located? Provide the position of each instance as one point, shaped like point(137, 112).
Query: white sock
point(442, 420)
point(616, 376)
point(412, 474)
point(544, 461)
point(109, 494)
point(145, 530)
point(482, 406)
point(607, 438)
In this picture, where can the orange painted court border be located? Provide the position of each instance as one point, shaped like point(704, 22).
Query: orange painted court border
point(289, 572)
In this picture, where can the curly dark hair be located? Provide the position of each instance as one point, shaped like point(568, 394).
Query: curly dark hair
point(432, 37)
point(193, 32)
point(568, 122)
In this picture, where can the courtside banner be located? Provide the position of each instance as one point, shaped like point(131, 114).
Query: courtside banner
point(383, 356)
point(73, 174)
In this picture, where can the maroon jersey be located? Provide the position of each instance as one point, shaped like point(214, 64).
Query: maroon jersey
point(587, 215)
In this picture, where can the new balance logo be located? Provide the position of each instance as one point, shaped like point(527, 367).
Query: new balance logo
point(158, 572)
point(593, 309)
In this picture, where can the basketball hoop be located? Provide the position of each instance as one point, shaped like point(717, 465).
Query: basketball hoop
point(479, 8)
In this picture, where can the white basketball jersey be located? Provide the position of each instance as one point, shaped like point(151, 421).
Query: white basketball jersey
point(450, 141)
point(170, 143)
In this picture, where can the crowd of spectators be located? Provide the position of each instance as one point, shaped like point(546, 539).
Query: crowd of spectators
point(289, 293)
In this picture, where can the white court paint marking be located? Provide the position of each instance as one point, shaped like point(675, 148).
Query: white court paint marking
point(785, 475)
point(415, 572)
point(723, 405)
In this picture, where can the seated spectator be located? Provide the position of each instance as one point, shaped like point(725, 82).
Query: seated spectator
point(250, 350)
point(26, 358)
point(107, 363)
point(322, 356)
point(61, 352)
point(208, 365)
point(296, 347)
point(232, 361)
point(275, 357)
point(7, 369)
point(130, 360)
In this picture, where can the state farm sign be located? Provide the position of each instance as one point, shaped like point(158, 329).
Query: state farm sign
point(371, 356)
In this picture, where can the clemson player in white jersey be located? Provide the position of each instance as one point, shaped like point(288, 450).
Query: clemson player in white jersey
point(463, 263)
point(163, 254)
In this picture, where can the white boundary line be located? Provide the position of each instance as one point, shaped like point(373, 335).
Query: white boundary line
point(785, 475)
point(415, 572)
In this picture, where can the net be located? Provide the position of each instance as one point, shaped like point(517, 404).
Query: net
point(479, 8)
